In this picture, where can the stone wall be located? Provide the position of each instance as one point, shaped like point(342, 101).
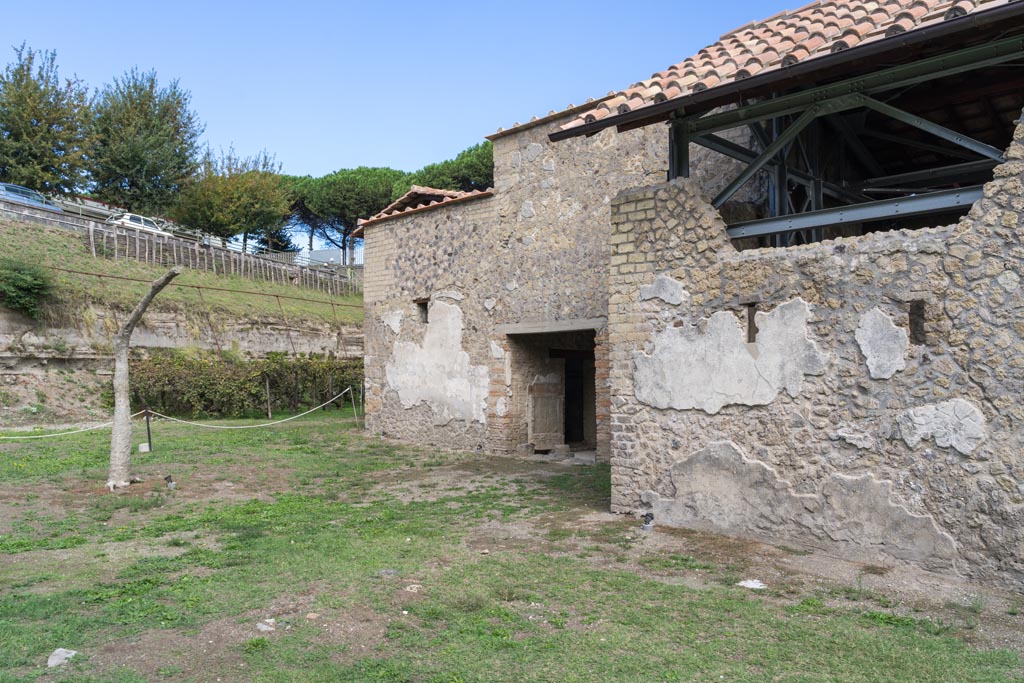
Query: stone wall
point(64, 368)
point(535, 251)
point(861, 394)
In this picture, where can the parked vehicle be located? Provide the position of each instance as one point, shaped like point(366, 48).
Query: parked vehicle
point(133, 220)
point(23, 195)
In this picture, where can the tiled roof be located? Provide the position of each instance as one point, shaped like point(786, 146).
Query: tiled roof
point(786, 39)
point(419, 198)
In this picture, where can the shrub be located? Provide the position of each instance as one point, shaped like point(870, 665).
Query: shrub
point(199, 383)
point(23, 286)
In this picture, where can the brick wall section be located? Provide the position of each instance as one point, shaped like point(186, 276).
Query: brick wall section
point(380, 251)
point(968, 280)
point(536, 251)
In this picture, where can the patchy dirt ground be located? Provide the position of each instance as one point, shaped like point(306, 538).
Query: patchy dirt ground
point(987, 617)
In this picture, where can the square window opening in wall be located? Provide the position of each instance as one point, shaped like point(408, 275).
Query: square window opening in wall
point(916, 316)
point(751, 322)
point(423, 309)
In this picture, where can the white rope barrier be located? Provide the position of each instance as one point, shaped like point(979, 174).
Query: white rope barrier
point(74, 431)
point(265, 424)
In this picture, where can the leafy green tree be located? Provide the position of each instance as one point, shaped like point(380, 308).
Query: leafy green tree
point(342, 198)
point(201, 205)
point(44, 131)
point(147, 142)
point(233, 195)
point(471, 169)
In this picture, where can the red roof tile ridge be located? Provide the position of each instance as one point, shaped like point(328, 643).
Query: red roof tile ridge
point(451, 197)
point(782, 40)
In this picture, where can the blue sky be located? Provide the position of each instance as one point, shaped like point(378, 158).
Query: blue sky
point(324, 85)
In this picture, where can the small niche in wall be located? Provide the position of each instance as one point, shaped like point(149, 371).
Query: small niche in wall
point(751, 323)
point(423, 309)
point(917, 317)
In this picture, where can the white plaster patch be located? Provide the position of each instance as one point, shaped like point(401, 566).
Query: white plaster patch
point(708, 368)
point(439, 372)
point(720, 489)
point(393, 319)
point(883, 343)
point(666, 288)
point(489, 304)
point(497, 351)
point(957, 423)
point(501, 407)
point(449, 294)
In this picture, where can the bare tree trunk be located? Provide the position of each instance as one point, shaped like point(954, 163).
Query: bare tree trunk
point(119, 475)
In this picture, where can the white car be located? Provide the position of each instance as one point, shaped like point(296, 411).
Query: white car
point(133, 220)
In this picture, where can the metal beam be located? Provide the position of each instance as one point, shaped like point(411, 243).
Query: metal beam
point(768, 154)
point(740, 153)
point(860, 213)
point(917, 144)
point(679, 152)
point(951, 172)
point(921, 71)
point(759, 134)
point(935, 129)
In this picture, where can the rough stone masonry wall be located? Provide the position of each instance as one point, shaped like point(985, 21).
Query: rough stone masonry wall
point(878, 410)
point(535, 251)
point(64, 368)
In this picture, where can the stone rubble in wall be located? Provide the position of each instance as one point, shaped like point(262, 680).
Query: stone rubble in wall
point(967, 276)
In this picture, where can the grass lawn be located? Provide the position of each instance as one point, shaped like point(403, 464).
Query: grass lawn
point(66, 249)
point(310, 552)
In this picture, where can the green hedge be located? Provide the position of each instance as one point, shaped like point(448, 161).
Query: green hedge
point(202, 384)
point(23, 286)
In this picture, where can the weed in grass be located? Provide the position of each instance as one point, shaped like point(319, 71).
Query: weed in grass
point(255, 645)
point(1014, 609)
point(809, 606)
point(928, 626)
point(169, 671)
point(673, 563)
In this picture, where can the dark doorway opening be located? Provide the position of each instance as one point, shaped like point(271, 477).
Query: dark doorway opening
point(579, 395)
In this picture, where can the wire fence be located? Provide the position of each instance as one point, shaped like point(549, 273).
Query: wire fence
point(147, 413)
point(288, 297)
point(196, 253)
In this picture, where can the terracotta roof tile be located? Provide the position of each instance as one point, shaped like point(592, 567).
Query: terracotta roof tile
point(419, 198)
point(785, 39)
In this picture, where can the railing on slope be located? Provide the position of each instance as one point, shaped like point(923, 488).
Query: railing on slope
point(107, 241)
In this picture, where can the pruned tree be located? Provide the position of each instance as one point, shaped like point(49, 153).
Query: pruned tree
point(342, 198)
point(44, 125)
point(119, 475)
point(147, 142)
